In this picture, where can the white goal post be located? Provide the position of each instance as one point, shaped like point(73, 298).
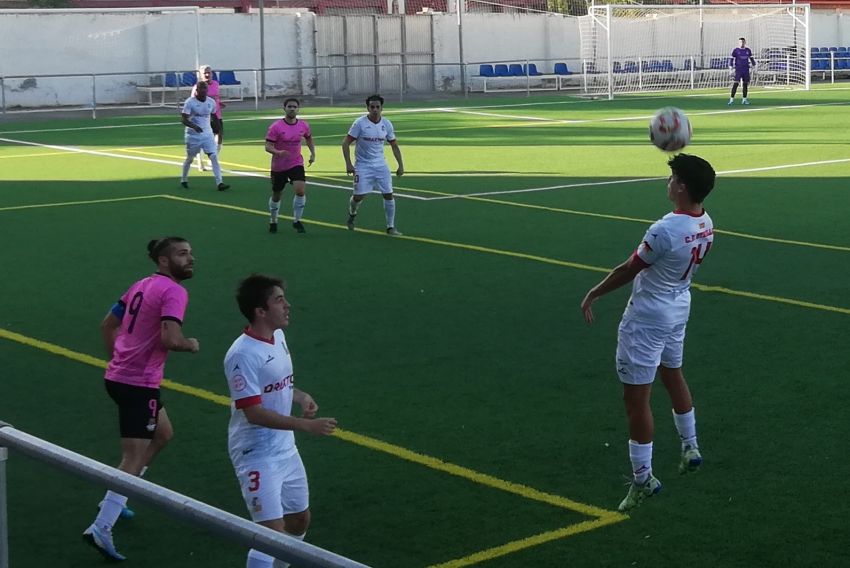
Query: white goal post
point(632, 47)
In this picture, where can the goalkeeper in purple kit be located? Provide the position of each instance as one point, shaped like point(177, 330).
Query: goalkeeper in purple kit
point(739, 64)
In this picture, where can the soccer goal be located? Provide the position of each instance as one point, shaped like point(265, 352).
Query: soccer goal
point(632, 48)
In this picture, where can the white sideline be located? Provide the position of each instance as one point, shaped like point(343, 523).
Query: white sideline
point(74, 149)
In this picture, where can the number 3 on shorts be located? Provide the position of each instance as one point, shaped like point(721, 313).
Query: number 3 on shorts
point(253, 480)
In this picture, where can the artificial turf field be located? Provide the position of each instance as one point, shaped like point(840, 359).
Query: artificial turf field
point(480, 418)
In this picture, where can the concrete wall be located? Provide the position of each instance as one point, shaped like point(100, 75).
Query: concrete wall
point(138, 47)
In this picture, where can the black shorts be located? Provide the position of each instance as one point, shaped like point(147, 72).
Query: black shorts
point(138, 409)
point(217, 125)
point(280, 179)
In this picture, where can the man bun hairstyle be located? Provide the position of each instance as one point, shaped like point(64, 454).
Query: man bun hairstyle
point(162, 247)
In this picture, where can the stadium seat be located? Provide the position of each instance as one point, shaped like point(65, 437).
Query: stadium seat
point(515, 70)
point(562, 69)
point(630, 67)
point(667, 65)
point(228, 78)
point(824, 49)
point(501, 70)
point(618, 67)
point(486, 71)
point(689, 63)
point(215, 76)
point(171, 80)
point(188, 79)
point(532, 70)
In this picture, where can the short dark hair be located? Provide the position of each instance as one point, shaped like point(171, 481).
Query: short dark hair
point(254, 292)
point(696, 173)
point(162, 247)
point(742, 39)
point(199, 83)
point(371, 98)
point(292, 99)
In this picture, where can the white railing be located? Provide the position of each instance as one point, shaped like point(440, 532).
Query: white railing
point(238, 529)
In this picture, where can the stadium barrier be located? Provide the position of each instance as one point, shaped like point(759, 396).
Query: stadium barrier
point(240, 530)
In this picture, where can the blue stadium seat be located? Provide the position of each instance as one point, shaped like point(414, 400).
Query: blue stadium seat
point(171, 80)
point(515, 70)
point(688, 64)
point(562, 69)
point(228, 78)
point(188, 79)
point(667, 65)
point(215, 76)
point(501, 70)
point(630, 67)
point(532, 70)
point(618, 67)
point(486, 71)
point(824, 49)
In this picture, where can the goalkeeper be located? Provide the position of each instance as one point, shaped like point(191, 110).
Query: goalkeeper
point(739, 64)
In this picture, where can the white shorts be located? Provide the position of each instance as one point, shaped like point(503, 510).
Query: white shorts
point(275, 488)
point(368, 178)
point(195, 145)
point(642, 347)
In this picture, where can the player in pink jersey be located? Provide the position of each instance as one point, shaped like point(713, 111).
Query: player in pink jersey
point(651, 335)
point(205, 74)
point(138, 332)
point(283, 142)
point(260, 437)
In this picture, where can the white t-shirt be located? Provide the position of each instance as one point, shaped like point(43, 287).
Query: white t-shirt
point(674, 247)
point(199, 115)
point(258, 372)
point(371, 138)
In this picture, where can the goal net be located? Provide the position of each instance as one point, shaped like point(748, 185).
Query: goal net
point(629, 48)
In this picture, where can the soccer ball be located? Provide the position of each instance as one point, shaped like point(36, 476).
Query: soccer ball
point(670, 129)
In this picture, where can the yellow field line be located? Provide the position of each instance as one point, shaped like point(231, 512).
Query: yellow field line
point(352, 437)
point(34, 155)
point(67, 203)
point(536, 258)
point(531, 541)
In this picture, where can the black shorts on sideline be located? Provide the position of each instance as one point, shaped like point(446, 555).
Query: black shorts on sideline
point(217, 125)
point(280, 179)
point(138, 409)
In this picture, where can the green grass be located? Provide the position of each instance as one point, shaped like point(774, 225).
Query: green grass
point(462, 341)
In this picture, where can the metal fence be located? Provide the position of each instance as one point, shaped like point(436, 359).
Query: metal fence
point(240, 530)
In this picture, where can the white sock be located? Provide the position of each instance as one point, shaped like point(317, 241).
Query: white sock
point(187, 163)
point(281, 563)
point(641, 456)
point(686, 425)
point(352, 206)
point(274, 209)
point(257, 559)
point(389, 211)
point(143, 472)
point(216, 168)
point(298, 204)
point(110, 510)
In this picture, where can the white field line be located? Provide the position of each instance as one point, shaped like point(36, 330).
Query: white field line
point(631, 180)
point(73, 149)
point(426, 110)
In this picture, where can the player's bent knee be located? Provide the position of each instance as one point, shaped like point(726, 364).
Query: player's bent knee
point(297, 523)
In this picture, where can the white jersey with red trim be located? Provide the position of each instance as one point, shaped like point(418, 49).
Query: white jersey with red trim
point(258, 371)
point(673, 248)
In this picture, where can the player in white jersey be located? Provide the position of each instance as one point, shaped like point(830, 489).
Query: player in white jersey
point(261, 439)
point(195, 116)
point(370, 169)
point(652, 331)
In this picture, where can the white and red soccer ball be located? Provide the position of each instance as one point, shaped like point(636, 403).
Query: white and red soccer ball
point(670, 129)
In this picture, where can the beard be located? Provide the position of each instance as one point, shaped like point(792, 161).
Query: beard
point(180, 272)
